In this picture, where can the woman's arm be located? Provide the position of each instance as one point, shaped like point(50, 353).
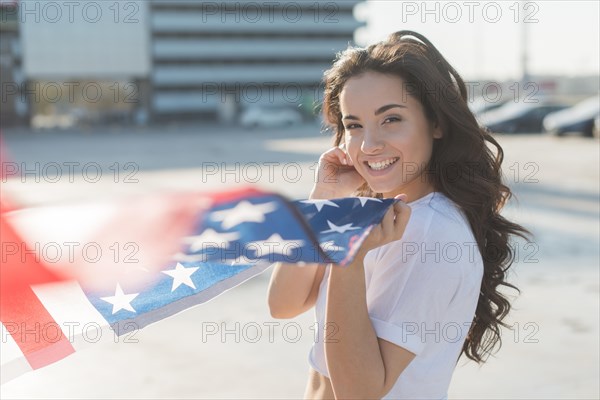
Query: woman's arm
point(360, 364)
point(293, 289)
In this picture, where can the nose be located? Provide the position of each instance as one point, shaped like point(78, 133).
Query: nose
point(372, 143)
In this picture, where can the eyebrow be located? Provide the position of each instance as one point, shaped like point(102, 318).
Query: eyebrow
point(378, 111)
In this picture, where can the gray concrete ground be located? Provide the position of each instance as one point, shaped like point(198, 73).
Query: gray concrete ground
point(551, 351)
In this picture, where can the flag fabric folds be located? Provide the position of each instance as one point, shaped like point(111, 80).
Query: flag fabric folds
point(235, 236)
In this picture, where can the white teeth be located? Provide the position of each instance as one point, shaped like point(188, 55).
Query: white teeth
point(382, 164)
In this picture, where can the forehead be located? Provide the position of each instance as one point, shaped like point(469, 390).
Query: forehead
point(372, 90)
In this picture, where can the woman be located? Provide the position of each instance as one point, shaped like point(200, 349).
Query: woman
point(423, 288)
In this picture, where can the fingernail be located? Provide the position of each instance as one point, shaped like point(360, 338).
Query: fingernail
point(401, 197)
point(344, 161)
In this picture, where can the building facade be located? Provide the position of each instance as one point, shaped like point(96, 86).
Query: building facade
point(218, 58)
point(14, 108)
point(183, 59)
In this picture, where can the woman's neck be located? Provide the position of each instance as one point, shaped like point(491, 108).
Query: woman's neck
point(415, 189)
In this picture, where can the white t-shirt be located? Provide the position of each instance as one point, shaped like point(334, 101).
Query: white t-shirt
point(422, 292)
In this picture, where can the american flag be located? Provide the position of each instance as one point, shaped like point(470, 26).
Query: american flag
point(234, 237)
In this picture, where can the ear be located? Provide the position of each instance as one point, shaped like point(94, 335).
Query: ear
point(437, 131)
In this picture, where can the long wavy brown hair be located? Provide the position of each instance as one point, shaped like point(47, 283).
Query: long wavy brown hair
point(475, 183)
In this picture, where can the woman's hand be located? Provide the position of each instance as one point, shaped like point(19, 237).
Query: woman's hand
point(335, 175)
point(390, 228)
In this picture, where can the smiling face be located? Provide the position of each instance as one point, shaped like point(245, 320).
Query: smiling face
point(387, 134)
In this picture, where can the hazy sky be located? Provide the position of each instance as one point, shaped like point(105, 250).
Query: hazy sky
point(483, 39)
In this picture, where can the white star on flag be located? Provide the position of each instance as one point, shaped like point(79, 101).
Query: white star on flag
point(181, 276)
point(210, 238)
point(364, 200)
point(339, 229)
point(120, 300)
point(320, 203)
point(275, 244)
point(244, 211)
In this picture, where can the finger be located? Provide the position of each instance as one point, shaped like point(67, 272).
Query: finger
point(342, 146)
point(348, 158)
point(387, 222)
point(402, 213)
point(336, 155)
point(340, 155)
point(401, 210)
point(343, 159)
point(402, 197)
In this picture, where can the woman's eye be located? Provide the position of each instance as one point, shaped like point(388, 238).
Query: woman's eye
point(391, 119)
point(352, 126)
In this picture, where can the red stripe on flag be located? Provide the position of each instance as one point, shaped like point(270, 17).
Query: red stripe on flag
point(235, 194)
point(37, 334)
point(39, 337)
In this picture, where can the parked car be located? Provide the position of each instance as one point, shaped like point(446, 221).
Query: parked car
point(521, 117)
point(578, 119)
point(596, 130)
point(270, 116)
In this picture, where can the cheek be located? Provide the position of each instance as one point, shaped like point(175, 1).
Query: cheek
point(347, 139)
point(417, 147)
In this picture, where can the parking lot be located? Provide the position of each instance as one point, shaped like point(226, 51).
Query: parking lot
point(551, 350)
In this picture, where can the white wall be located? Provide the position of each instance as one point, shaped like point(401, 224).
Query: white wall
point(84, 39)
